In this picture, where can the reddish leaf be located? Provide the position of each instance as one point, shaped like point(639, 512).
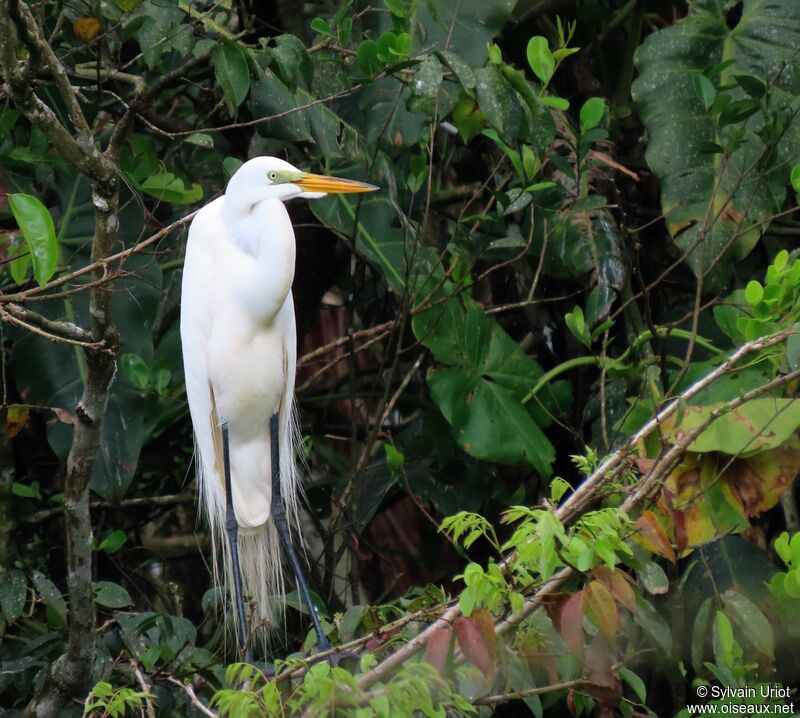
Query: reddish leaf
point(553, 604)
point(601, 609)
point(571, 623)
point(678, 521)
point(653, 536)
point(477, 640)
point(438, 648)
point(602, 683)
point(16, 418)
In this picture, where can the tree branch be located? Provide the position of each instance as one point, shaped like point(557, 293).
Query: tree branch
point(68, 675)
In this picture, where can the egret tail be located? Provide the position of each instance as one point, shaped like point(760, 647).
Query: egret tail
point(253, 579)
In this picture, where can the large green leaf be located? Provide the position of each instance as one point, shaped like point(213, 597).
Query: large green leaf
point(704, 194)
point(232, 73)
point(757, 425)
point(37, 228)
point(464, 28)
point(480, 392)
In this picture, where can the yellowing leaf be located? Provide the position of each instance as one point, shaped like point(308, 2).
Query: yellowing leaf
point(601, 609)
point(756, 425)
point(653, 536)
point(86, 28)
point(16, 418)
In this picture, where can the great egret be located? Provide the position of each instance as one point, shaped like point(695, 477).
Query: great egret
point(239, 354)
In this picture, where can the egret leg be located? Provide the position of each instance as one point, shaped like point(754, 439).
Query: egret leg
point(232, 529)
point(282, 525)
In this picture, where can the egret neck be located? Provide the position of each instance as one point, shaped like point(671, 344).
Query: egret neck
point(263, 253)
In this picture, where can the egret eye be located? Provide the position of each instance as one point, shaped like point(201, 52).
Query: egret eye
point(272, 176)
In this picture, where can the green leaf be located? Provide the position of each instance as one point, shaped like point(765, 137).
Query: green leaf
point(498, 102)
point(127, 5)
point(558, 103)
point(230, 165)
point(756, 425)
point(480, 391)
point(50, 593)
point(751, 621)
point(699, 630)
point(653, 578)
point(111, 595)
point(20, 259)
point(653, 625)
point(136, 370)
point(704, 89)
point(592, 113)
point(201, 139)
point(37, 228)
point(367, 58)
point(795, 178)
point(636, 683)
point(723, 638)
point(709, 203)
point(751, 85)
point(13, 591)
point(541, 59)
point(231, 72)
point(577, 325)
point(396, 7)
point(321, 26)
point(782, 548)
point(166, 187)
point(754, 292)
point(113, 541)
point(394, 458)
point(26, 491)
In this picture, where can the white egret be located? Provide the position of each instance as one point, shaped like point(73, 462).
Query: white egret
point(239, 354)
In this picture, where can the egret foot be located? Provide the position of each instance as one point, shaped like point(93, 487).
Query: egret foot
point(232, 529)
point(285, 536)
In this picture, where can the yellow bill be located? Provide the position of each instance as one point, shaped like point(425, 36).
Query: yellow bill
point(320, 183)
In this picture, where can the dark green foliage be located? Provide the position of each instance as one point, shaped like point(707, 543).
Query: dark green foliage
point(556, 253)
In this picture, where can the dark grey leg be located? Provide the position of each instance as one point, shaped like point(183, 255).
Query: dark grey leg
point(232, 529)
point(282, 525)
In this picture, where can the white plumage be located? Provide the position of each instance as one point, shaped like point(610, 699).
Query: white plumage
point(239, 353)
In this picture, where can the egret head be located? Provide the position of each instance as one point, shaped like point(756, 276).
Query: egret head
point(269, 177)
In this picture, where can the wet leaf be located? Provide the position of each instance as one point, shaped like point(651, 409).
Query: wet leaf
point(232, 73)
point(37, 228)
point(673, 99)
point(653, 578)
point(751, 621)
point(13, 590)
point(111, 595)
point(50, 593)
